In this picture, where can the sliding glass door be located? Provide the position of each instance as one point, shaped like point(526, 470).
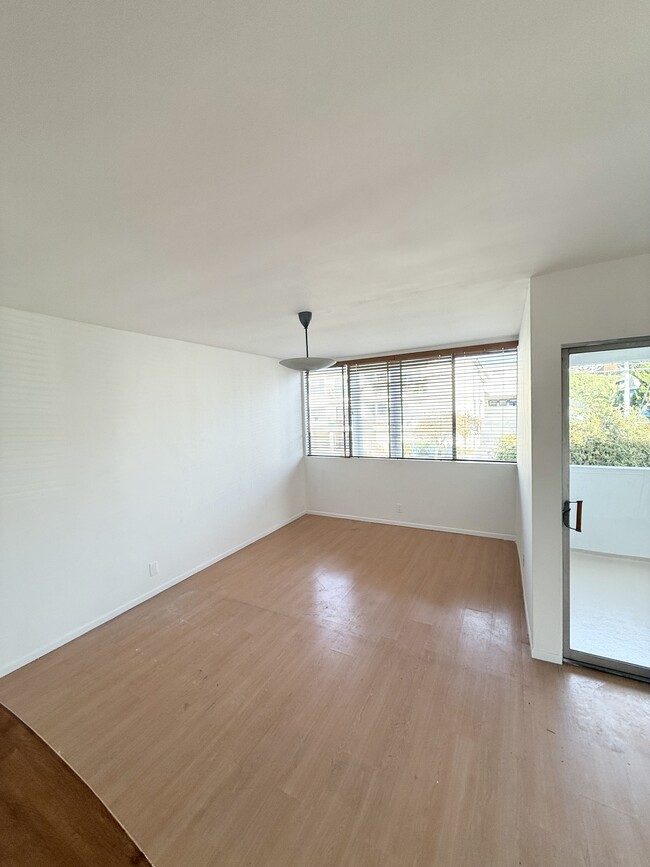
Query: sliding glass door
point(606, 511)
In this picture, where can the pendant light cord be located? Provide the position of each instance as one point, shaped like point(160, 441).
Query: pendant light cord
point(306, 364)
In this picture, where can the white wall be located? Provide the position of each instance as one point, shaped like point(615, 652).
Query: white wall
point(118, 449)
point(616, 516)
point(477, 498)
point(598, 302)
point(525, 466)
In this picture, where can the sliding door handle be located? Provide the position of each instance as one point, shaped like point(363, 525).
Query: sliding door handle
point(566, 511)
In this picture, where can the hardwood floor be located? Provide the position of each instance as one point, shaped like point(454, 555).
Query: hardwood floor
point(344, 693)
point(48, 815)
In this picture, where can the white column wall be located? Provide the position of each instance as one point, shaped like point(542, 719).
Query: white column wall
point(525, 467)
point(608, 301)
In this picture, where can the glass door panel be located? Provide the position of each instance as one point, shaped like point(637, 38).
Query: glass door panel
point(608, 561)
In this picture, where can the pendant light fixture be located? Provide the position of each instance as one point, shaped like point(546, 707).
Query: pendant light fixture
point(307, 363)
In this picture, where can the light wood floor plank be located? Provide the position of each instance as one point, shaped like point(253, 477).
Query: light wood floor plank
point(345, 694)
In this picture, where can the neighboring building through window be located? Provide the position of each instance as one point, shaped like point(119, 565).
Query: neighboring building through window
point(453, 404)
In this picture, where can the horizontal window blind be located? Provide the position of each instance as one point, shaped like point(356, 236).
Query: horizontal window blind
point(485, 386)
point(458, 404)
point(369, 410)
point(325, 406)
point(427, 408)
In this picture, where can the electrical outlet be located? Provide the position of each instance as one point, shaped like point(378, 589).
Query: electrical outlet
point(153, 568)
point(398, 506)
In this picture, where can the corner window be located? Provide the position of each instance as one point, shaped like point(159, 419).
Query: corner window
point(455, 404)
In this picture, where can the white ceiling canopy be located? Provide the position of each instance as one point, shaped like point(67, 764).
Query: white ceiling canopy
point(205, 170)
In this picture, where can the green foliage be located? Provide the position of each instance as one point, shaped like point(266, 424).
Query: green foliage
point(507, 448)
point(592, 392)
point(467, 424)
point(601, 433)
point(429, 438)
point(641, 395)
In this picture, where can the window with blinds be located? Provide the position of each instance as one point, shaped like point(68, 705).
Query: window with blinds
point(369, 410)
point(457, 404)
point(326, 412)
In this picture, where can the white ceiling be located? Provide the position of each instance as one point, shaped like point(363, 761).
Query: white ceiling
point(205, 170)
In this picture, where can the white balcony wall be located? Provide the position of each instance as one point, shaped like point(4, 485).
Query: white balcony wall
point(616, 511)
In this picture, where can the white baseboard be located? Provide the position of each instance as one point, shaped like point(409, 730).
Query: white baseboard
point(462, 532)
point(589, 553)
point(528, 629)
point(104, 618)
point(523, 593)
point(546, 655)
